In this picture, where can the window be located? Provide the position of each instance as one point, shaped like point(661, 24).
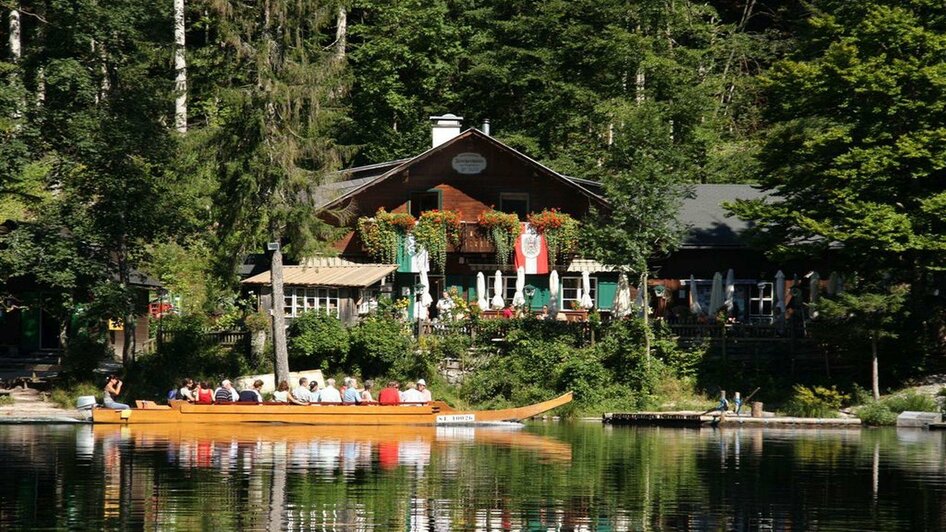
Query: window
point(761, 301)
point(509, 288)
point(299, 299)
point(571, 286)
point(515, 203)
point(424, 201)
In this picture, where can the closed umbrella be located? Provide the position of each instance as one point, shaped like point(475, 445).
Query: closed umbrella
point(498, 301)
point(518, 299)
point(425, 298)
point(814, 288)
point(621, 305)
point(834, 284)
point(639, 300)
point(695, 307)
point(716, 294)
point(482, 298)
point(586, 301)
point(780, 292)
point(730, 291)
point(553, 294)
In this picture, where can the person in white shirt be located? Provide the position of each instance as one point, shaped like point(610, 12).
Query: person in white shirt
point(300, 394)
point(330, 393)
point(423, 391)
point(412, 395)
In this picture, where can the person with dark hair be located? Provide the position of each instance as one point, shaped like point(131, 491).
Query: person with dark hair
point(390, 395)
point(252, 395)
point(113, 388)
point(186, 393)
point(366, 393)
point(205, 394)
point(281, 395)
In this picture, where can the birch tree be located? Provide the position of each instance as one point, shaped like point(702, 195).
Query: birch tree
point(180, 69)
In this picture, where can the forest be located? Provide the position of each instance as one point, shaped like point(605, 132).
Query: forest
point(174, 137)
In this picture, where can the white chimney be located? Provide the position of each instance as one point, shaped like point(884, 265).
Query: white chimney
point(444, 128)
point(486, 127)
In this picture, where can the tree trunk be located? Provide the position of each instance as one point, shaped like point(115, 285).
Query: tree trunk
point(341, 34)
point(180, 69)
point(874, 373)
point(15, 43)
point(646, 301)
point(280, 350)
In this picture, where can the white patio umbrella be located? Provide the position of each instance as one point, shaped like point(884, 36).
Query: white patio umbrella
point(695, 307)
point(834, 284)
point(780, 292)
point(716, 294)
point(621, 305)
point(814, 287)
point(639, 301)
point(423, 310)
point(498, 301)
point(585, 298)
point(553, 294)
point(730, 291)
point(482, 298)
point(518, 299)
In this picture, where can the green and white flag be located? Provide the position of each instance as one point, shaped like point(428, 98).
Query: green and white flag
point(412, 258)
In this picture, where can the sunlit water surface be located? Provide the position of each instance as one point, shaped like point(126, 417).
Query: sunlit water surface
point(544, 477)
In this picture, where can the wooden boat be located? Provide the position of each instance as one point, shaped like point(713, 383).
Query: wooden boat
point(434, 413)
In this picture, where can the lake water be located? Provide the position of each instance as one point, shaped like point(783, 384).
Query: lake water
point(543, 477)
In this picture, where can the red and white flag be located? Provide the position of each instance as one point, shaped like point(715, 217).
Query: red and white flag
point(532, 252)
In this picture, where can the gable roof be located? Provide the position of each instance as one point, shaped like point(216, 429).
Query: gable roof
point(345, 190)
point(710, 224)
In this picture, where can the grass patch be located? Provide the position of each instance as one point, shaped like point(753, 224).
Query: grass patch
point(910, 402)
point(6, 400)
point(66, 397)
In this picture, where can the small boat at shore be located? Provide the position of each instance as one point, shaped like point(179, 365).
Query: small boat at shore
point(433, 413)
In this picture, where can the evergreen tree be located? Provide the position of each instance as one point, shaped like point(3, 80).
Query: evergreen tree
point(273, 145)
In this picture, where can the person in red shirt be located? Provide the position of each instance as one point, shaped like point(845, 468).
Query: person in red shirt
point(390, 395)
point(205, 394)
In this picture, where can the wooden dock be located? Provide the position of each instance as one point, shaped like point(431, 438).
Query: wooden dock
point(656, 419)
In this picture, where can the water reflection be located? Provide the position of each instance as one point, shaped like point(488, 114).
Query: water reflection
point(560, 477)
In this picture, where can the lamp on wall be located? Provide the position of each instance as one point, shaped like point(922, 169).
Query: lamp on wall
point(529, 292)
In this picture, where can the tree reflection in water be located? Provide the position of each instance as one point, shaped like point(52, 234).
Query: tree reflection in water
point(420, 478)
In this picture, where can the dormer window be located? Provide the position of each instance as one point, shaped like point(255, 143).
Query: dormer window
point(424, 201)
point(515, 203)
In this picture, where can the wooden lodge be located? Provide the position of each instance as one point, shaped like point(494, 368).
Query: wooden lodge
point(471, 172)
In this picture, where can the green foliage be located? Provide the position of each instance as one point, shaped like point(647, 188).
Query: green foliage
point(83, 354)
point(258, 322)
point(382, 233)
point(503, 229)
point(65, 397)
point(815, 401)
point(876, 413)
point(860, 396)
point(910, 401)
point(318, 339)
point(435, 230)
point(377, 343)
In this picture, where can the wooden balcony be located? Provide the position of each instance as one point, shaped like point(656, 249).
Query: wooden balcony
point(473, 240)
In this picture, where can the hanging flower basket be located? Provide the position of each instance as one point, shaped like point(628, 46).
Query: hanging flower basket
point(560, 231)
point(381, 233)
point(503, 230)
point(434, 231)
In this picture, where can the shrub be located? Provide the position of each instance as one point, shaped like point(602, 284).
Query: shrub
point(83, 355)
point(377, 342)
point(910, 402)
point(319, 339)
point(876, 414)
point(66, 397)
point(816, 401)
point(584, 374)
point(860, 396)
point(6, 400)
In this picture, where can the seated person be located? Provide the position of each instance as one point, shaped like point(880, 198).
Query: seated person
point(300, 394)
point(424, 391)
point(330, 393)
point(351, 395)
point(412, 395)
point(281, 395)
point(187, 393)
point(252, 395)
point(113, 387)
point(205, 394)
point(225, 393)
point(390, 395)
point(366, 393)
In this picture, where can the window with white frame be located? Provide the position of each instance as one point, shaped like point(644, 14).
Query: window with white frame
point(761, 299)
point(509, 288)
point(572, 287)
point(300, 299)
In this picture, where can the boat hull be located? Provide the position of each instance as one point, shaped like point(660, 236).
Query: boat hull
point(436, 413)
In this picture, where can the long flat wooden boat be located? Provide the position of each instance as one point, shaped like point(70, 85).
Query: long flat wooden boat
point(434, 413)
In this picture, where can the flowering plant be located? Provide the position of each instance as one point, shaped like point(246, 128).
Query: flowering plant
point(380, 233)
point(560, 231)
point(434, 231)
point(503, 230)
